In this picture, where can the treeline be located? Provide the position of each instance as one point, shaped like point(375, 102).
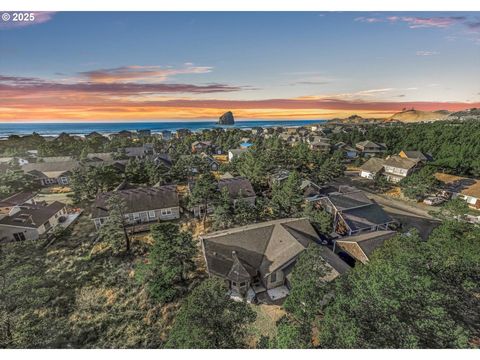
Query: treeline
point(455, 146)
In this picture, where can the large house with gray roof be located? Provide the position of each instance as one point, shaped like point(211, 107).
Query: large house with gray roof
point(143, 205)
point(260, 257)
point(353, 212)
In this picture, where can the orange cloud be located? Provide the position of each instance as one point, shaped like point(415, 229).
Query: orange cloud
point(26, 98)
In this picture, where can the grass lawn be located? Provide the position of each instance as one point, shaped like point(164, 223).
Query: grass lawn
point(267, 316)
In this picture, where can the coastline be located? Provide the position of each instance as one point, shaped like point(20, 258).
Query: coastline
point(49, 129)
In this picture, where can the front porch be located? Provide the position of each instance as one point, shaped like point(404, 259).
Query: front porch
point(258, 294)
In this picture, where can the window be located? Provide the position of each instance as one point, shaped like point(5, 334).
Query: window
point(243, 283)
point(136, 216)
point(234, 283)
point(273, 277)
point(19, 236)
point(167, 211)
point(151, 214)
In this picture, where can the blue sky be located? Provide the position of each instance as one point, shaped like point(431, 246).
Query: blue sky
point(381, 57)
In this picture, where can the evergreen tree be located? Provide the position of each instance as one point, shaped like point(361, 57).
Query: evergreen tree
point(170, 261)
point(114, 230)
point(209, 319)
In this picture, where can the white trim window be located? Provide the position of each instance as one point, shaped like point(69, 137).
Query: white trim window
point(165, 212)
point(136, 216)
point(151, 214)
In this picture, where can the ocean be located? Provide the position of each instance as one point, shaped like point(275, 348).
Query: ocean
point(83, 128)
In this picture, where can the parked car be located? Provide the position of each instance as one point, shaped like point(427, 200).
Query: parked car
point(434, 200)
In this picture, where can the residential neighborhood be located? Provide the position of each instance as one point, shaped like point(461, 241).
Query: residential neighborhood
point(245, 207)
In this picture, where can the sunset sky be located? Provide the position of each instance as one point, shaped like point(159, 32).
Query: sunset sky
point(146, 66)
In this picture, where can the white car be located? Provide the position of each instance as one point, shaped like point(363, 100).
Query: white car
point(433, 200)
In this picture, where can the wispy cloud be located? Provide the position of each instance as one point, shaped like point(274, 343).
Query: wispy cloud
point(426, 53)
point(142, 73)
point(11, 85)
point(415, 22)
point(39, 18)
point(370, 20)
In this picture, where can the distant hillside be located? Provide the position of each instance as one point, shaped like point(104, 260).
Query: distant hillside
point(469, 114)
point(355, 119)
point(418, 115)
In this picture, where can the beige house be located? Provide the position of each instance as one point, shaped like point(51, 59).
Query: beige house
point(30, 222)
point(143, 205)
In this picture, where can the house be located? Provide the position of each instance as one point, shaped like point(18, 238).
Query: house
point(360, 247)
point(369, 148)
point(257, 131)
point(163, 159)
point(372, 167)
point(51, 173)
point(32, 221)
point(55, 159)
point(320, 145)
point(415, 155)
point(238, 188)
point(213, 164)
point(348, 151)
point(310, 190)
point(105, 156)
point(94, 135)
point(143, 205)
point(354, 212)
point(235, 153)
point(201, 146)
point(166, 134)
point(278, 177)
point(138, 152)
point(259, 258)
point(181, 133)
point(144, 133)
point(464, 188)
point(12, 203)
point(397, 168)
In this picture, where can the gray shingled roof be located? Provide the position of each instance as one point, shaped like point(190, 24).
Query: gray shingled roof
point(261, 248)
point(17, 199)
point(138, 199)
point(349, 200)
point(369, 144)
point(34, 216)
point(369, 241)
point(418, 155)
point(50, 169)
point(399, 162)
point(365, 217)
point(334, 261)
point(373, 165)
point(237, 185)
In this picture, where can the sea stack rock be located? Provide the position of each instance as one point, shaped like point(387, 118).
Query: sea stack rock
point(226, 119)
